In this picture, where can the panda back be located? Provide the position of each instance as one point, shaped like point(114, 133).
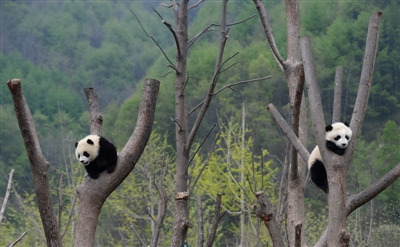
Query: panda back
point(107, 149)
point(314, 157)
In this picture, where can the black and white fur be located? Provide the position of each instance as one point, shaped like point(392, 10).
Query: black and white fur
point(97, 154)
point(337, 138)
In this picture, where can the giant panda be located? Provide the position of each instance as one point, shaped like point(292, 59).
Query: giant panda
point(337, 138)
point(97, 154)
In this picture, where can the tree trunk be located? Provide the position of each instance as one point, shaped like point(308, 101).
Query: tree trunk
point(93, 192)
point(39, 165)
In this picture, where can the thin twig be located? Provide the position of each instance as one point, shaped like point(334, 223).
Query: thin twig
point(201, 144)
point(228, 86)
point(3, 207)
point(60, 206)
point(184, 86)
point(169, 26)
point(151, 37)
point(174, 120)
point(206, 162)
point(137, 235)
point(71, 212)
point(19, 239)
point(195, 5)
point(209, 29)
point(164, 75)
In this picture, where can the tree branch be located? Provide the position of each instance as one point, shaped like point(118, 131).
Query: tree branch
point(288, 132)
point(262, 12)
point(228, 86)
point(355, 201)
point(364, 88)
point(96, 120)
point(3, 207)
point(213, 82)
point(151, 37)
point(209, 29)
point(217, 219)
point(71, 212)
point(39, 165)
point(317, 115)
point(337, 99)
point(196, 4)
point(200, 224)
point(205, 163)
point(169, 26)
point(267, 216)
point(18, 239)
point(93, 192)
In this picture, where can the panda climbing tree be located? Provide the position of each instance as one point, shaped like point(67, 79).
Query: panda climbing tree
point(335, 161)
point(94, 190)
point(97, 154)
point(337, 138)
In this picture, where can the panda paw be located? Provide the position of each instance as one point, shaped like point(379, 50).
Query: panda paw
point(94, 176)
point(110, 169)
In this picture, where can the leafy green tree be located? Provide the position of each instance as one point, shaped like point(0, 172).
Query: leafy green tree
point(388, 155)
point(234, 172)
point(134, 205)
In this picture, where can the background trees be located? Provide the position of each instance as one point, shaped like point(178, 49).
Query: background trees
point(78, 44)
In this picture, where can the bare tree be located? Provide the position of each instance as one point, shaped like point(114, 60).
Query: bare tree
point(185, 136)
point(292, 68)
point(92, 192)
point(339, 206)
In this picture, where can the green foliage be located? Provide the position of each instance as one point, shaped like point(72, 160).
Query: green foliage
point(134, 204)
point(235, 173)
point(59, 48)
point(388, 155)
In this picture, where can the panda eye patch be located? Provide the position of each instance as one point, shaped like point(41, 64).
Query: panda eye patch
point(347, 137)
point(337, 138)
point(86, 154)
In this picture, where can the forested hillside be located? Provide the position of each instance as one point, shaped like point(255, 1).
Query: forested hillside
point(58, 48)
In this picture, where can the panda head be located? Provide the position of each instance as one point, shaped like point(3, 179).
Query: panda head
point(87, 149)
point(339, 134)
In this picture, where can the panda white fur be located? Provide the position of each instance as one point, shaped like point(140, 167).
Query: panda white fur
point(337, 138)
point(97, 154)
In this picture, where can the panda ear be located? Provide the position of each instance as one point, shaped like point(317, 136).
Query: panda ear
point(76, 144)
point(90, 142)
point(328, 128)
point(347, 124)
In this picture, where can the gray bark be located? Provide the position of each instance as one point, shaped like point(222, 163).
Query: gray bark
point(39, 165)
point(93, 192)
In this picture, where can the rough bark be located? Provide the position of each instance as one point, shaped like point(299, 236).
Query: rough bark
point(336, 166)
point(93, 192)
point(294, 74)
point(337, 98)
point(181, 222)
point(264, 212)
point(39, 165)
point(184, 137)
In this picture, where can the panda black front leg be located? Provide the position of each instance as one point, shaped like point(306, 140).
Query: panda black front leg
point(92, 170)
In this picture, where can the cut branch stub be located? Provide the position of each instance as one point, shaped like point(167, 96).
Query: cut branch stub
point(182, 196)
